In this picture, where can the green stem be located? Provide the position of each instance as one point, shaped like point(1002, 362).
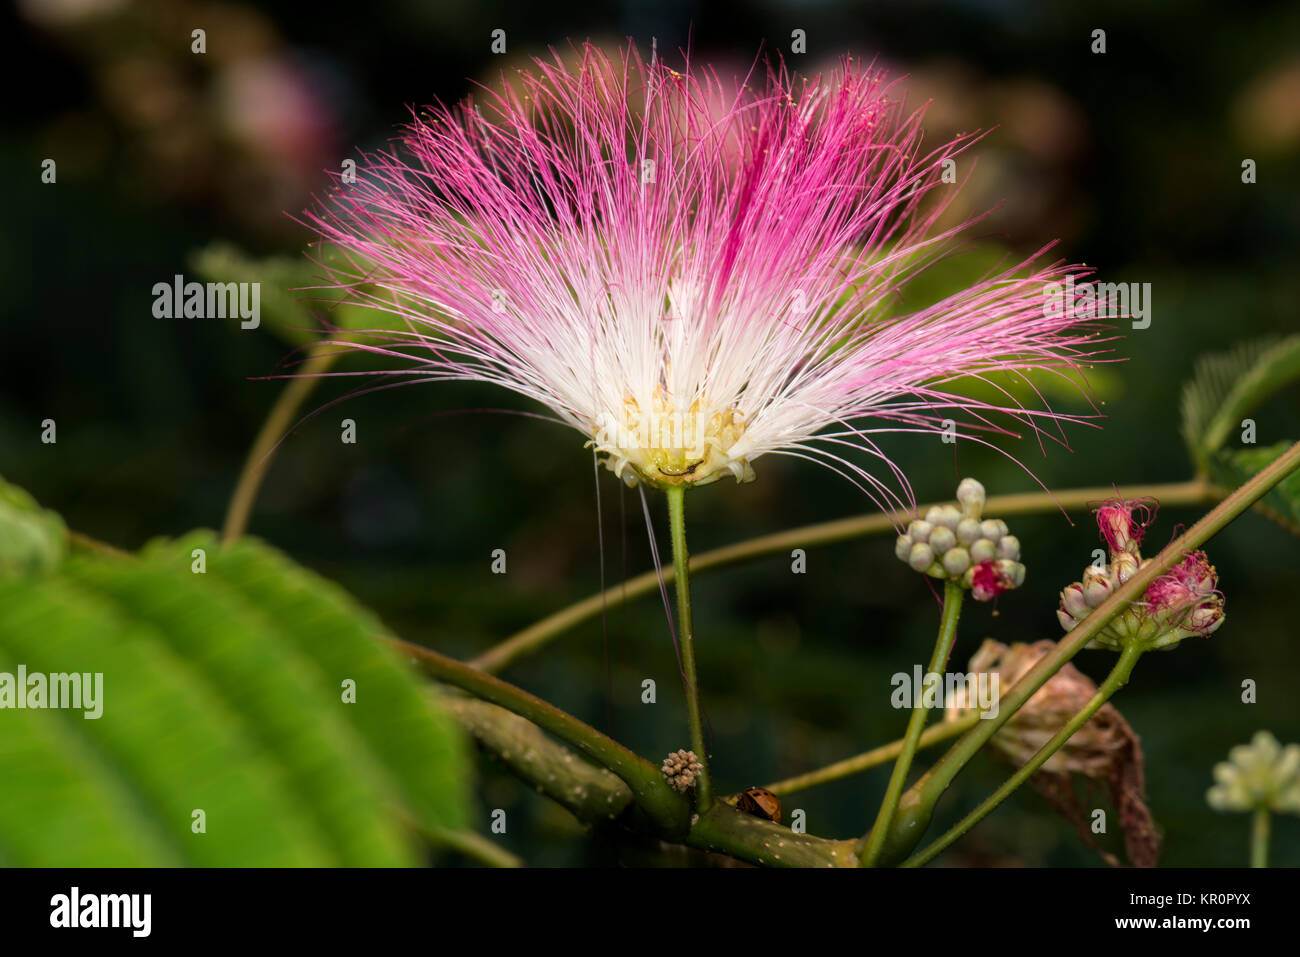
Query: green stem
point(874, 842)
point(597, 796)
point(1259, 838)
point(870, 759)
point(1117, 678)
point(661, 803)
point(540, 633)
point(723, 829)
point(686, 638)
point(475, 846)
point(273, 428)
point(917, 805)
point(590, 793)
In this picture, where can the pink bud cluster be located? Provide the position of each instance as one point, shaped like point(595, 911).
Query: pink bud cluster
point(1185, 601)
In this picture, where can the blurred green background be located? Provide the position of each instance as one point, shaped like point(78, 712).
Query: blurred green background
point(1132, 158)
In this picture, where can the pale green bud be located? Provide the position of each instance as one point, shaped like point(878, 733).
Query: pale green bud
point(942, 539)
point(968, 531)
point(945, 515)
point(970, 494)
point(921, 557)
point(956, 561)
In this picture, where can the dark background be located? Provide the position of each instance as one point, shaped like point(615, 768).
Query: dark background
point(1131, 158)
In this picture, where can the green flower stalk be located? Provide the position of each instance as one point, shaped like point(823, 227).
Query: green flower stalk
point(972, 554)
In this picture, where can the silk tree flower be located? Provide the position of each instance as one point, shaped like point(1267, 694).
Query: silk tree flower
point(1184, 601)
point(689, 273)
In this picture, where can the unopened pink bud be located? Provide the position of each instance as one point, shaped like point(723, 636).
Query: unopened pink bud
point(1074, 603)
point(1096, 586)
point(1123, 522)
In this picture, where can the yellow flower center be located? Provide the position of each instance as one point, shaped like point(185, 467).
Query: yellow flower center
point(663, 445)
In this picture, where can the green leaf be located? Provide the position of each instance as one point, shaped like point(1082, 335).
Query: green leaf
point(166, 742)
point(222, 691)
point(1228, 386)
point(1232, 467)
point(31, 538)
point(392, 711)
point(62, 804)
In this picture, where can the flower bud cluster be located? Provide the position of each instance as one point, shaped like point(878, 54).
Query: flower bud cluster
point(1262, 774)
point(681, 768)
point(1185, 601)
point(959, 544)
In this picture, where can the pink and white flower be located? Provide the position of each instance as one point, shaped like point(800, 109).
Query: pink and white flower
point(690, 274)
